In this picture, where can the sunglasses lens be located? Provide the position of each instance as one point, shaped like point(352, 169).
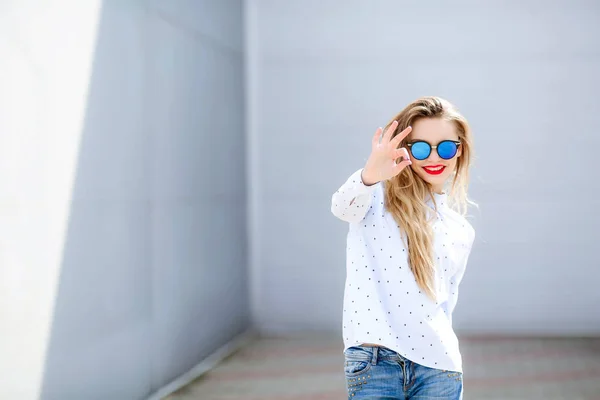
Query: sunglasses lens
point(420, 150)
point(447, 150)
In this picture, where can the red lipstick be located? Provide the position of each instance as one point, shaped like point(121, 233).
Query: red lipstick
point(434, 169)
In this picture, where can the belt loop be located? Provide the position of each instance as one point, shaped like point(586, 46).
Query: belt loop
point(374, 359)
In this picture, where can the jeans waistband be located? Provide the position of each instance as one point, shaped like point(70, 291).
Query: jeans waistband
point(372, 354)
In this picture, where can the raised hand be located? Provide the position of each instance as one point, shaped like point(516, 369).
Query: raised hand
point(382, 163)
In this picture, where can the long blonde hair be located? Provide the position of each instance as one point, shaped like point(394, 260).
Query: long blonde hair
point(407, 192)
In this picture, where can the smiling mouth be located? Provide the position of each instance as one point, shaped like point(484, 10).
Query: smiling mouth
point(434, 169)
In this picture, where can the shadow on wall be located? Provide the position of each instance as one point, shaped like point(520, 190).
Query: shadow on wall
point(137, 301)
point(102, 327)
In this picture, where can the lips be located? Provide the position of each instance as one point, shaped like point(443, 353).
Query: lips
point(434, 169)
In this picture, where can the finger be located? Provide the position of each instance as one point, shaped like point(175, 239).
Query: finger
point(399, 137)
point(388, 133)
point(401, 152)
point(401, 165)
point(406, 156)
point(376, 137)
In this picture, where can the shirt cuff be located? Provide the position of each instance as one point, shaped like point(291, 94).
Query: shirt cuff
point(358, 185)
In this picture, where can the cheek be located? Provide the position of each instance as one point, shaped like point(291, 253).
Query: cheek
point(452, 164)
point(451, 167)
point(416, 167)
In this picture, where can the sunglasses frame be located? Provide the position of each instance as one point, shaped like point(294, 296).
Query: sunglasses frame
point(432, 147)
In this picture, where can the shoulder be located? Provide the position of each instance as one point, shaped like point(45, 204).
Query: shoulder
point(462, 224)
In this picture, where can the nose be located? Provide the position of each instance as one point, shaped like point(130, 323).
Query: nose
point(434, 156)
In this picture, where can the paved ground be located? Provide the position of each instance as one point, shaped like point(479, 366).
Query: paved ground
point(311, 367)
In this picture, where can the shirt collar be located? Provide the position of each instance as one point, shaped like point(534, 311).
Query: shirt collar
point(441, 199)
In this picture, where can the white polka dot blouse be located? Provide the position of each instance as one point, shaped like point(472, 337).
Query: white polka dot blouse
point(382, 302)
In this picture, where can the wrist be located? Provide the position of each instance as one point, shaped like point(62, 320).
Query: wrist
point(367, 179)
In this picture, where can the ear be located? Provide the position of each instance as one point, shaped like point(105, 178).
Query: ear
point(459, 151)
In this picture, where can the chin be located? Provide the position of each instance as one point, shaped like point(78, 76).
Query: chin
point(434, 181)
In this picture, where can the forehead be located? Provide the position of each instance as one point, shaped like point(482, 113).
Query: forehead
point(433, 130)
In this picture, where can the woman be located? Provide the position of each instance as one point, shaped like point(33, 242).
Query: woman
point(407, 248)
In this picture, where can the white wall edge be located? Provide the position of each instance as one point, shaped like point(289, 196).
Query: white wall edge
point(252, 156)
point(205, 365)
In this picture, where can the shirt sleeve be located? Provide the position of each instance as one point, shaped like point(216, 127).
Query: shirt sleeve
point(352, 200)
point(453, 295)
point(455, 281)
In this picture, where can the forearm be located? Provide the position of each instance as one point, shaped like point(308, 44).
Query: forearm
point(352, 200)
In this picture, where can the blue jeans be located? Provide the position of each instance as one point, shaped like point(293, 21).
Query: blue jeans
point(379, 373)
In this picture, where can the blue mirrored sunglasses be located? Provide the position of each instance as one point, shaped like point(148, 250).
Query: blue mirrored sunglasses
point(446, 149)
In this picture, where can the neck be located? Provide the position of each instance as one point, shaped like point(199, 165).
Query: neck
point(438, 189)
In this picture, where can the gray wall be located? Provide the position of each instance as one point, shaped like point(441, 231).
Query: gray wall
point(123, 171)
point(195, 116)
point(123, 214)
point(525, 74)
